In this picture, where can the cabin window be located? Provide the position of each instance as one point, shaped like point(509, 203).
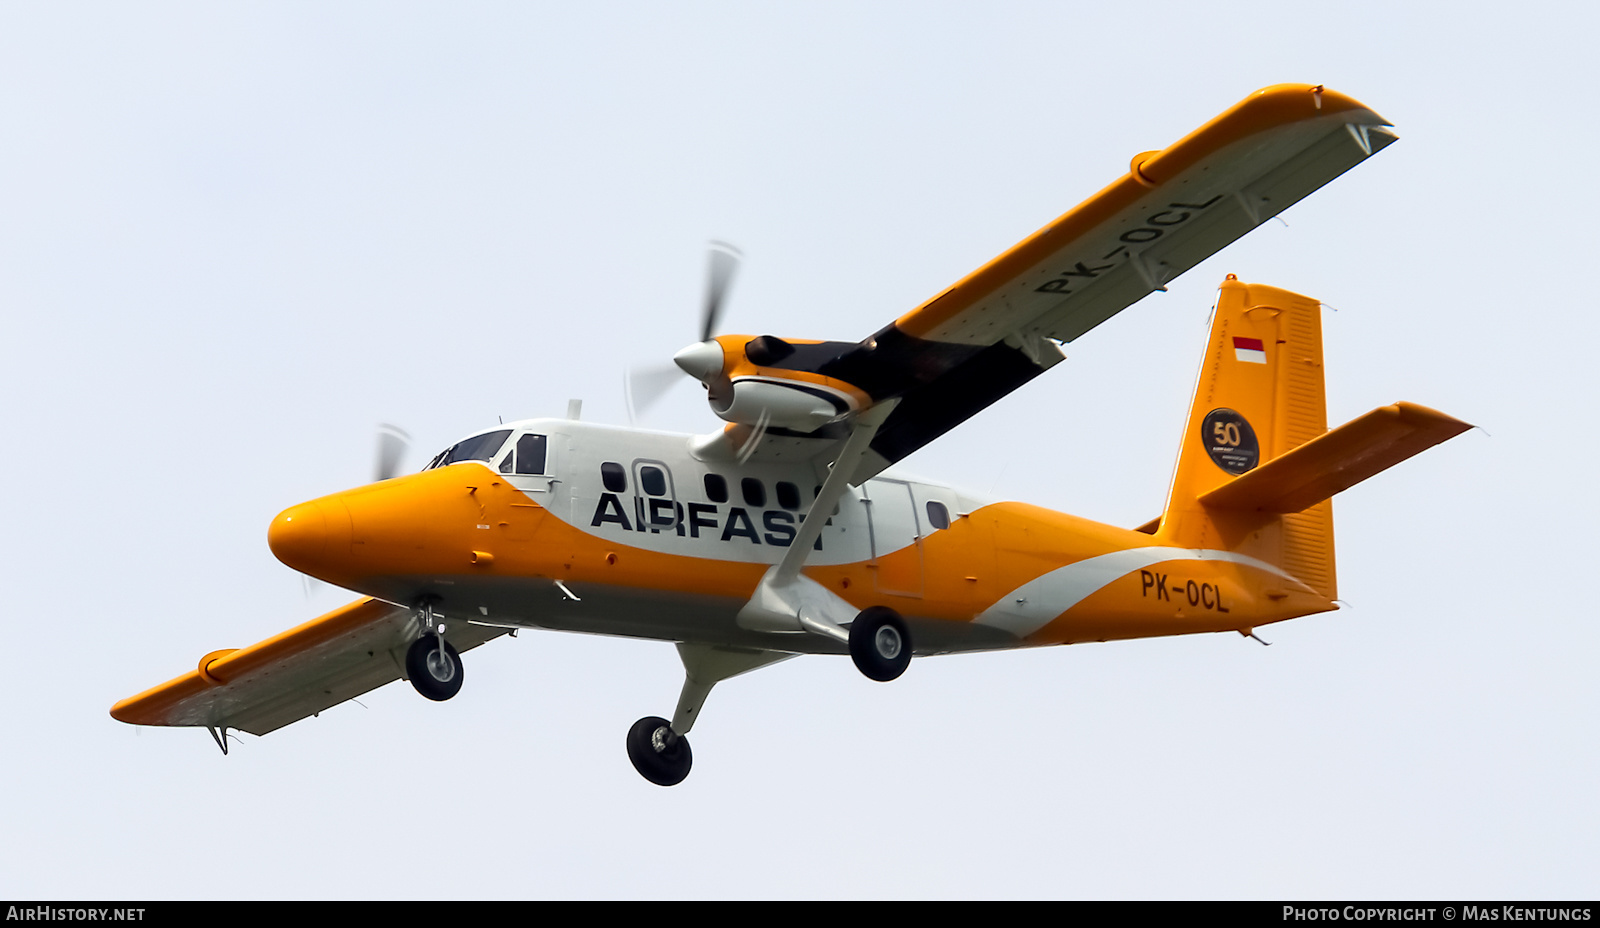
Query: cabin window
point(938, 515)
point(788, 495)
point(818, 492)
point(716, 488)
point(754, 493)
point(613, 476)
point(653, 480)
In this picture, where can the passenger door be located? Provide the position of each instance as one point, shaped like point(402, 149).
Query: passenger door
point(896, 532)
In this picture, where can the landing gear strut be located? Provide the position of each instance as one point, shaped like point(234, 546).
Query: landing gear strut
point(432, 663)
point(658, 748)
point(660, 754)
point(880, 644)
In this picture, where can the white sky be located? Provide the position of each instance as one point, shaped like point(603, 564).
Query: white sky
point(235, 237)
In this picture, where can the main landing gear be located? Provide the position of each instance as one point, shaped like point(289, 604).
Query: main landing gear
point(784, 601)
point(880, 645)
point(658, 748)
point(660, 754)
point(432, 663)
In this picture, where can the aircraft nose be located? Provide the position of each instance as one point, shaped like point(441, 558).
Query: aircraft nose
point(306, 536)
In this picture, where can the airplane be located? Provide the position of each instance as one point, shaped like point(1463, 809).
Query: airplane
point(786, 532)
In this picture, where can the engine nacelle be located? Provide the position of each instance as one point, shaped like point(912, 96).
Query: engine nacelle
point(767, 382)
point(784, 404)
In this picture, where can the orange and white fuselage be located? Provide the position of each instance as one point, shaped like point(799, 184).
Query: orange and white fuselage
point(673, 546)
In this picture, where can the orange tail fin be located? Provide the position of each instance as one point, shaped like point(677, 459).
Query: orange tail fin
point(1258, 465)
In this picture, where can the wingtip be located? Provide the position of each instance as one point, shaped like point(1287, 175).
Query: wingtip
point(1418, 414)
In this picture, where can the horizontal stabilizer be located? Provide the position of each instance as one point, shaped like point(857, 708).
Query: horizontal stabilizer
point(1336, 460)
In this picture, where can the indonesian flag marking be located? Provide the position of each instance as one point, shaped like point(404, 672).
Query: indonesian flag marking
point(1249, 349)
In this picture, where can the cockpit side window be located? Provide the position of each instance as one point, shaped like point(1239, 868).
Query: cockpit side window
point(477, 448)
point(531, 454)
point(527, 457)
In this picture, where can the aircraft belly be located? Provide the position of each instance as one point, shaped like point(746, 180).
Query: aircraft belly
point(611, 609)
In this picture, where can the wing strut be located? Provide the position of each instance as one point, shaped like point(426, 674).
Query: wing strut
point(785, 600)
point(839, 477)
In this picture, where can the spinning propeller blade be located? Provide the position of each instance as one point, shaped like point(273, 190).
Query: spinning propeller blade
point(393, 442)
point(643, 386)
point(724, 261)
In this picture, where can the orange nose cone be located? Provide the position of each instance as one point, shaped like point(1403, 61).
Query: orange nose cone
point(306, 536)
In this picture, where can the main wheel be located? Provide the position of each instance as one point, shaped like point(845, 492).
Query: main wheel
point(434, 667)
point(880, 644)
point(661, 755)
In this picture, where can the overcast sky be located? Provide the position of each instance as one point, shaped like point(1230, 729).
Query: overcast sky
point(236, 237)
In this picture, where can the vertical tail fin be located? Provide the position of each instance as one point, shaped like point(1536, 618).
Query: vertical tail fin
point(1260, 395)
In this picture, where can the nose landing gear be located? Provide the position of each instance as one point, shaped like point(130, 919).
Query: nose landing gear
point(432, 663)
point(434, 667)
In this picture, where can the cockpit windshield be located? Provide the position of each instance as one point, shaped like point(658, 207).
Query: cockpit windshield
point(477, 448)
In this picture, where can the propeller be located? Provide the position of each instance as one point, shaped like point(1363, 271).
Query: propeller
point(724, 261)
point(643, 386)
point(393, 443)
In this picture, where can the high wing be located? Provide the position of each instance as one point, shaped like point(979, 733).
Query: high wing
point(998, 328)
point(332, 658)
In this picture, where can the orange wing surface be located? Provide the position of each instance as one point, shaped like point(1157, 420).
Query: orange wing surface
point(1002, 325)
point(334, 657)
point(1174, 208)
point(997, 328)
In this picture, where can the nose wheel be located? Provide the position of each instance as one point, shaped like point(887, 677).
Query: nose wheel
point(434, 667)
point(880, 645)
point(660, 754)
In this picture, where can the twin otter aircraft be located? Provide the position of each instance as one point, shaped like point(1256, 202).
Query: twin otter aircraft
point(786, 533)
